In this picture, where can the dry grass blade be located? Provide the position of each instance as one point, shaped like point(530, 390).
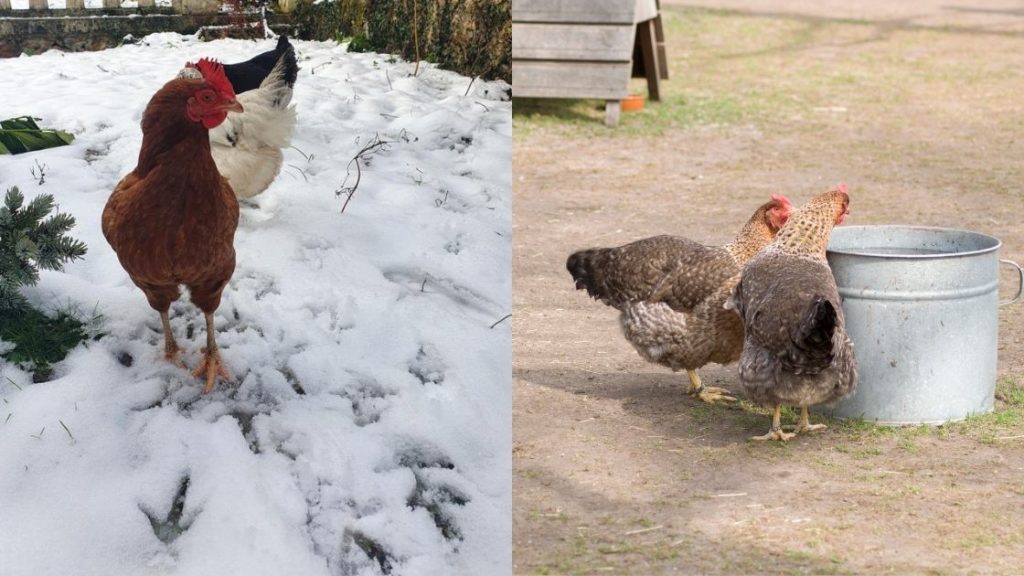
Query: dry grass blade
point(66, 429)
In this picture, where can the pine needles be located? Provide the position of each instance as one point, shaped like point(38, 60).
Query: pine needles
point(31, 238)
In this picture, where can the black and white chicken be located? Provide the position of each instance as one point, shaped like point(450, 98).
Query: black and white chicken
point(248, 146)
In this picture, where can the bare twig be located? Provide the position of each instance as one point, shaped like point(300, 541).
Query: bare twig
point(41, 177)
point(470, 85)
point(9, 414)
point(415, 37)
point(372, 147)
point(312, 71)
point(13, 382)
point(40, 435)
point(502, 319)
point(388, 76)
point(486, 107)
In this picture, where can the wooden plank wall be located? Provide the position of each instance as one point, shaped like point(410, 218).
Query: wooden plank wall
point(572, 48)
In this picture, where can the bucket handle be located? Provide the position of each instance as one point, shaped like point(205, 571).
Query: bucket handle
point(1020, 285)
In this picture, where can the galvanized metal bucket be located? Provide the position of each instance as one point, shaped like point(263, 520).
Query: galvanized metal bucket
point(921, 306)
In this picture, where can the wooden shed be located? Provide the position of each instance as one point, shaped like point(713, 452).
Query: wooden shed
point(585, 49)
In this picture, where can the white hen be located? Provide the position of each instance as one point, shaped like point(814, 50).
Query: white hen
point(247, 146)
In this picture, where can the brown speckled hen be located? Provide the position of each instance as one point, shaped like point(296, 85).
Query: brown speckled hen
point(670, 293)
point(172, 220)
point(796, 351)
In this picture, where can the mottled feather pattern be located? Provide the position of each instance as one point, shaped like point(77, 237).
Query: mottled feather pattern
point(671, 290)
point(785, 360)
point(669, 269)
point(796, 350)
point(685, 339)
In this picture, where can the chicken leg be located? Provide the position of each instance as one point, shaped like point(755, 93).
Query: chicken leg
point(776, 432)
point(805, 423)
point(212, 365)
point(171, 350)
point(706, 394)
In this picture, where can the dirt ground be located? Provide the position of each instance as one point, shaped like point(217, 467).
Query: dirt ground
point(616, 469)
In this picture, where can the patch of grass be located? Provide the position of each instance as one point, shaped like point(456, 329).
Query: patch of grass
point(975, 541)
point(1007, 419)
point(706, 413)
point(39, 340)
point(618, 549)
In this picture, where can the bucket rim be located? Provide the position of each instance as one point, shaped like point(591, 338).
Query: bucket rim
point(888, 256)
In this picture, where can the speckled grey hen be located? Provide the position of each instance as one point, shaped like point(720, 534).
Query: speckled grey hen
point(796, 351)
point(670, 293)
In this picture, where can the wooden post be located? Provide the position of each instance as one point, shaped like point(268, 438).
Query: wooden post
point(111, 3)
point(612, 109)
point(5, 4)
point(147, 3)
point(38, 5)
point(659, 36)
point(645, 36)
point(75, 5)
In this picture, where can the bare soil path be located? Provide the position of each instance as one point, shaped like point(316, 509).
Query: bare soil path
point(921, 113)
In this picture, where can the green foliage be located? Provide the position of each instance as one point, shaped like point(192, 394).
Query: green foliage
point(330, 20)
point(359, 43)
point(472, 37)
point(39, 340)
point(29, 240)
point(18, 135)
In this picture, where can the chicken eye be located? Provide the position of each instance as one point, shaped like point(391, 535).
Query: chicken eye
point(207, 97)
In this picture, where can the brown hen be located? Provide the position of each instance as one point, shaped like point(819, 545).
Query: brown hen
point(670, 293)
point(796, 351)
point(172, 220)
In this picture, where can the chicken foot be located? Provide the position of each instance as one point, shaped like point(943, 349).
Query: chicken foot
point(171, 351)
point(212, 365)
point(776, 432)
point(805, 423)
point(708, 394)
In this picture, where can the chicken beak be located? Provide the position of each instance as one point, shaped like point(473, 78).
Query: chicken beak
point(232, 106)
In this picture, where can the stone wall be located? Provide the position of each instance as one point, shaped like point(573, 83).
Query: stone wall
point(35, 31)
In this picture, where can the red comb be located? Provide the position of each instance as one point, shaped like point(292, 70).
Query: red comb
point(213, 74)
point(781, 199)
point(841, 187)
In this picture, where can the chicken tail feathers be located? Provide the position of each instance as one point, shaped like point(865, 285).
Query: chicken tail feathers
point(585, 269)
point(812, 349)
point(291, 65)
point(281, 79)
point(282, 43)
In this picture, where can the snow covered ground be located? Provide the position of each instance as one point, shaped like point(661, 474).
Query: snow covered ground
point(368, 429)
